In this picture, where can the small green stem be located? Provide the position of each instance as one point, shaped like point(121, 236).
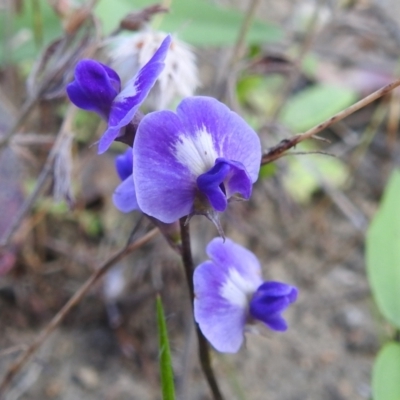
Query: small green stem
point(204, 353)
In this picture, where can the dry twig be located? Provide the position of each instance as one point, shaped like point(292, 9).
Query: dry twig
point(284, 145)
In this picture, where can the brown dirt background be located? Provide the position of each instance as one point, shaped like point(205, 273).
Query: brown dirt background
point(335, 328)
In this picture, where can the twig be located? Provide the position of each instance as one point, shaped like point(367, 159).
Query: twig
point(47, 169)
point(306, 153)
point(228, 81)
point(277, 151)
point(204, 354)
point(74, 300)
point(20, 119)
point(295, 73)
point(240, 41)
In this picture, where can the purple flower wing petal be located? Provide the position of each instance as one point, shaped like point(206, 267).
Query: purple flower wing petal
point(221, 322)
point(233, 138)
point(276, 289)
point(128, 101)
point(238, 180)
point(124, 164)
point(228, 254)
point(94, 88)
point(269, 301)
point(222, 181)
point(136, 90)
point(277, 323)
point(108, 137)
point(165, 188)
point(210, 182)
point(124, 197)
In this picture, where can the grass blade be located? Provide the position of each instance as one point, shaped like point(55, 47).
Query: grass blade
point(167, 376)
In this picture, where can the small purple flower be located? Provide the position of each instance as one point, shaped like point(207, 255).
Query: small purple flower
point(194, 160)
point(124, 197)
point(230, 294)
point(98, 88)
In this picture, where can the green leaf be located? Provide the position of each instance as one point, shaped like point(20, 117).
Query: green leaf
point(267, 170)
point(32, 31)
point(305, 174)
point(198, 22)
point(386, 373)
point(383, 252)
point(314, 105)
point(259, 92)
point(167, 376)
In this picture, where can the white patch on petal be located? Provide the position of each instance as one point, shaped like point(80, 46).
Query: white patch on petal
point(197, 153)
point(129, 90)
point(236, 289)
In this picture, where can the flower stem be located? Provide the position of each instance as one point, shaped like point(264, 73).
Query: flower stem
point(204, 353)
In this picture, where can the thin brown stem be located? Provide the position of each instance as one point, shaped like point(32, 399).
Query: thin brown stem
point(277, 151)
point(246, 25)
point(295, 73)
point(204, 353)
point(74, 300)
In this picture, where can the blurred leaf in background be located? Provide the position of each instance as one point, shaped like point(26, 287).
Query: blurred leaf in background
point(386, 373)
point(383, 253)
point(305, 175)
point(26, 33)
point(198, 22)
point(315, 104)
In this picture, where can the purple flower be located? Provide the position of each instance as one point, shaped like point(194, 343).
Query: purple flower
point(230, 294)
point(194, 160)
point(98, 88)
point(124, 197)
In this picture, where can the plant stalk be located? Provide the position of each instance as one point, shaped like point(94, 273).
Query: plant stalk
point(204, 354)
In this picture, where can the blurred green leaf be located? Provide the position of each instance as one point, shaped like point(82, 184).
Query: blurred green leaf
point(198, 22)
point(383, 252)
point(21, 38)
point(167, 376)
point(90, 222)
point(305, 174)
point(259, 92)
point(386, 373)
point(266, 171)
point(315, 104)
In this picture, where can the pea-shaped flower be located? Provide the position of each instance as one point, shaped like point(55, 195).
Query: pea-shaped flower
point(230, 295)
point(193, 161)
point(98, 88)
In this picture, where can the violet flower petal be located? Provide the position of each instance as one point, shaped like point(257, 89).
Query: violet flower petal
point(222, 287)
point(124, 197)
point(221, 321)
point(222, 181)
point(124, 164)
point(165, 188)
point(94, 88)
point(210, 184)
point(232, 137)
point(269, 301)
point(229, 254)
point(128, 101)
